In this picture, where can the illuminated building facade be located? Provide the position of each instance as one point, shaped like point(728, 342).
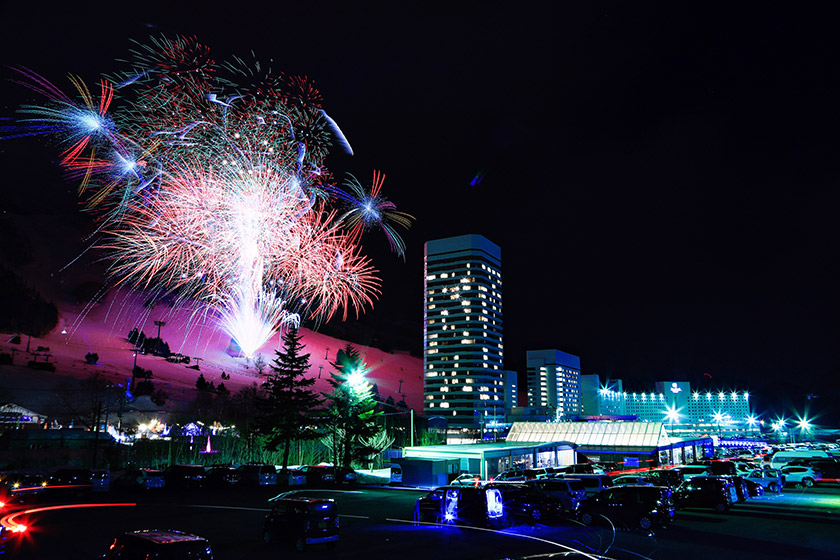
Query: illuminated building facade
point(463, 378)
point(675, 404)
point(554, 382)
point(511, 390)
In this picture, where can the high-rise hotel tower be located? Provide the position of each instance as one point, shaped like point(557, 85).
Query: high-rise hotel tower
point(463, 378)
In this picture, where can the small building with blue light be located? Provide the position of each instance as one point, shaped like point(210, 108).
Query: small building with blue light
point(490, 459)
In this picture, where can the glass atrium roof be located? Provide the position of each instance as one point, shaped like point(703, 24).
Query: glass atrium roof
point(637, 434)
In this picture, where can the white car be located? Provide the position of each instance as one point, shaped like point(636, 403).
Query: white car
point(744, 468)
point(801, 476)
point(633, 479)
point(466, 479)
point(770, 479)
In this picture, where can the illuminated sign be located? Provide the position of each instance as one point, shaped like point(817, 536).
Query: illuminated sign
point(451, 505)
point(675, 388)
point(494, 503)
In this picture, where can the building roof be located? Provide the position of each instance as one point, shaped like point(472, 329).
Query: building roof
point(640, 434)
point(12, 411)
point(477, 449)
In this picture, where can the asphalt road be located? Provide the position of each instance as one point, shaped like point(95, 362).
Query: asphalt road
point(377, 523)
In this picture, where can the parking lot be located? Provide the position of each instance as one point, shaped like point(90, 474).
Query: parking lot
point(379, 521)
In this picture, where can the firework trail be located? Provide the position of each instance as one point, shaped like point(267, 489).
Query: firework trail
point(209, 182)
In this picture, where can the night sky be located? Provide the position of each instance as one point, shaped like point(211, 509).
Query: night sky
point(663, 184)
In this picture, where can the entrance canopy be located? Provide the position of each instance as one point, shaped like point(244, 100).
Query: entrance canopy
point(489, 459)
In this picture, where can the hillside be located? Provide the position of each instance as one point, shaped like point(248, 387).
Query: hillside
point(102, 329)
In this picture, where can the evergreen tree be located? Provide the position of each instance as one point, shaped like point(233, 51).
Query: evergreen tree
point(285, 412)
point(352, 411)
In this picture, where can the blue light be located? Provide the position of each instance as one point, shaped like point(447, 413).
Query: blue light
point(495, 506)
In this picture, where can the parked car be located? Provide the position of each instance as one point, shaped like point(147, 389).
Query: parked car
point(634, 479)
point(258, 474)
point(223, 477)
point(523, 501)
point(301, 522)
point(569, 492)
point(593, 483)
point(666, 477)
point(291, 477)
point(480, 506)
point(739, 484)
point(690, 471)
point(345, 475)
point(521, 475)
point(580, 468)
point(71, 477)
point(466, 479)
point(771, 480)
point(608, 467)
point(754, 489)
point(140, 479)
point(801, 477)
point(781, 459)
point(162, 545)
point(100, 480)
point(17, 480)
point(637, 506)
point(319, 475)
point(746, 467)
point(706, 492)
point(71, 482)
point(185, 476)
point(828, 468)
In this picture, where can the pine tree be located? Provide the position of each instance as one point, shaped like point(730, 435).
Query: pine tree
point(352, 410)
point(285, 413)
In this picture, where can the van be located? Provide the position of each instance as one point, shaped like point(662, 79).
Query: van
point(782, 458)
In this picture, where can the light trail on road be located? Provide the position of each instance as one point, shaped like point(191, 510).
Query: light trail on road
point(518, 535)
point(9, 522)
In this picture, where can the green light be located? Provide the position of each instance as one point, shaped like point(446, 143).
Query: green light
point(356, 379)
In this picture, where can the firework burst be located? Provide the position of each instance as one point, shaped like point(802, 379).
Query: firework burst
point(215, 190)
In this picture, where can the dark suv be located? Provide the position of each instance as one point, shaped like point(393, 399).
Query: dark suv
point(520, 500)
point(480, 506)
point(160, 545)
point(258, 475)
point(567, 491)
point(666, 477)
point(71, 477)
point(706, 491)
point(185, 476)
point(70, 482)
point(639, 506)
point(324, 475)
point(302, 522)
